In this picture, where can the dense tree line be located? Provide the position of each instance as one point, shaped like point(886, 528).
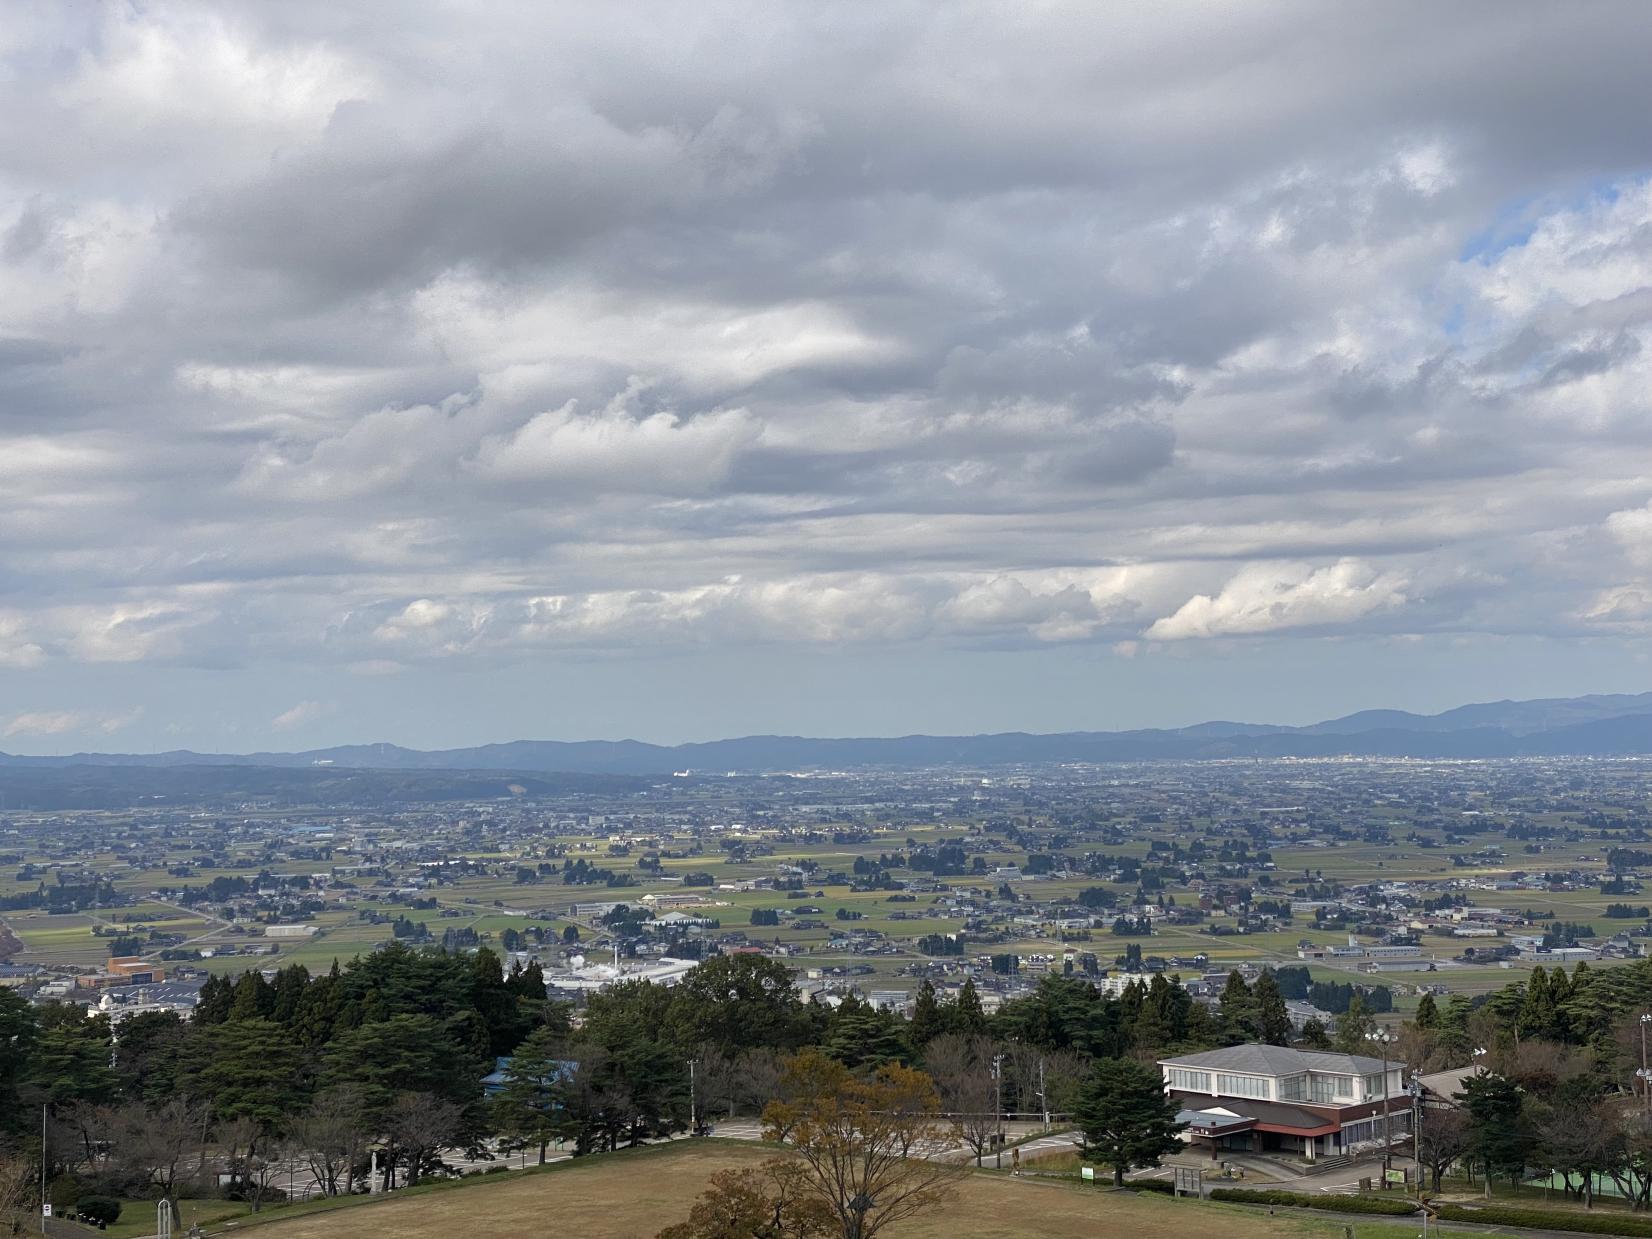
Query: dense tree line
point(387, 1055)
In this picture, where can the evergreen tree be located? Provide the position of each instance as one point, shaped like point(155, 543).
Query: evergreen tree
point(1498, 1133)
point(928, 1018)
point(290, 984)
point(1428, 1014)
point(1152, 1029)
point(861, 1035)
point(968, 1018)
point(1273, 1021)
point(1453, 1036)
point(254, 998)
point(248, 1068)
point(317, 1015)
point(527, 1106)
point(1201, 1031)
point(1537, 1012)
point(492, 998)
point(1238, 1007)
point(149, 1055)
point(213, 1004)
point(1314, 1036)
point(19, 1026)
point(403, 1054)
point(1353, 1027)
point(1125, 1117)
point(71, 1053)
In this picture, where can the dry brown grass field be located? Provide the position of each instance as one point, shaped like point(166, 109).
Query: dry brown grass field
point(630, 1195)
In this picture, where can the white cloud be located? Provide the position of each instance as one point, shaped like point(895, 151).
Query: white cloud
point(61, 722)
point(323, 346)
point(302, 713)
point(616, 452)
point(1267, 598)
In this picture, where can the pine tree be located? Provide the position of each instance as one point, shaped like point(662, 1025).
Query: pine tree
point(1353, 1026)
point(1428, 1015)
point(527, 1107)
point(212, 1006)
point(1537, 1013)
point(1238, 1010)
point(1200, 1030)
point(1273, 1021)
point(968, 1017)
point(254, 998)
point(290, 984)
point(1125, 1117)
point(1498, 1132)
point(928, 1019)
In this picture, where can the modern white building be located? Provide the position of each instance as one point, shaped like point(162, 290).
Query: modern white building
point(1264, 1098)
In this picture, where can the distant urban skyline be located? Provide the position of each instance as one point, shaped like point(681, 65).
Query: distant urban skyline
point(590, 371)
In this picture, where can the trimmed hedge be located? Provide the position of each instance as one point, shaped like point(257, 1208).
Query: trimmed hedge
point(1167, 1186)
point(1547, 1219)
point(1385, 1205)
point(99, 1210)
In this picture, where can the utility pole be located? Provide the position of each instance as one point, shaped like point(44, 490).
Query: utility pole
point(43, 1201)
point(1043, 1097)
point(1417, 1128)
point(693, 1106)
point(998, 1079)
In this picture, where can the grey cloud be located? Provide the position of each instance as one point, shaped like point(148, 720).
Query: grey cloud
point(491, 333)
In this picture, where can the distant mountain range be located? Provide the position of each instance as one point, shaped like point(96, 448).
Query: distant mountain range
point(1612, 725)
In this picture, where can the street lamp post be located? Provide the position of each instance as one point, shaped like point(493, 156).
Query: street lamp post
point(1645, 1075)
point(1384, 1039)
point(998, 1080)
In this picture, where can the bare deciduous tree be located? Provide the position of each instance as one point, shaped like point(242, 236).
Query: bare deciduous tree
point(1442, 1138)
point(158, 1140)
point(331, 1137)
point(717, 1081)
point(757, 1079)
point(418, 1127)
point(961, 1068)
point(18, 1194)
point(238, 1140)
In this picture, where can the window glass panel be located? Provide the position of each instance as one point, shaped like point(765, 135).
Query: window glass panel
point(1241, 1086)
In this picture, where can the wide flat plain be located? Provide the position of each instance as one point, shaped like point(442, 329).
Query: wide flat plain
point(635, 1194)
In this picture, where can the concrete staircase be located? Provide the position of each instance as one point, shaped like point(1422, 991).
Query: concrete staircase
point(1324, 1165)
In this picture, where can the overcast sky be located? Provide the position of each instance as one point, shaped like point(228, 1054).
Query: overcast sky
point(452, 372)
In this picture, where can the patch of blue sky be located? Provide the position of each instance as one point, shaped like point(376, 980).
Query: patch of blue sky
point(1515, 222)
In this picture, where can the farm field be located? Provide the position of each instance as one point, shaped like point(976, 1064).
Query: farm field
point(1205, 838)
point(632, 1195)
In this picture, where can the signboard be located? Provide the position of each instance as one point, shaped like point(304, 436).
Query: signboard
point(46, 1209)
point(1394, 1175)
point(1087, 1173)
